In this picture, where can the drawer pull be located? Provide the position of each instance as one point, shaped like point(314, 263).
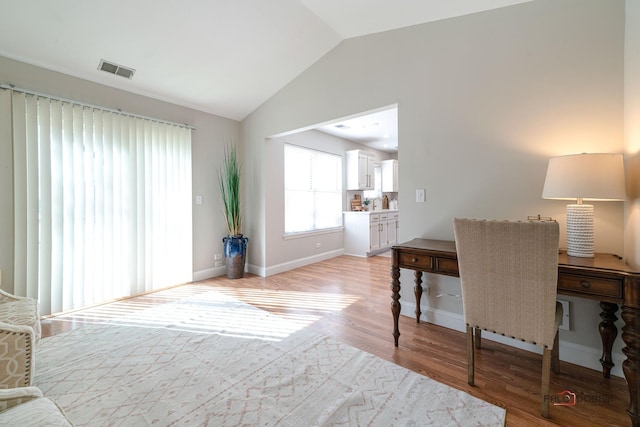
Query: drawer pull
point(414, 259)
point(585, 284)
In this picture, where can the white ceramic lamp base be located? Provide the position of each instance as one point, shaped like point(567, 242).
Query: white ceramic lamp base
point(580, 231)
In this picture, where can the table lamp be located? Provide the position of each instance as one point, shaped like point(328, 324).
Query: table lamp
point(582, 177)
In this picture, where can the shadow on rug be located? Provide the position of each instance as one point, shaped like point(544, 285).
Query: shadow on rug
point(188, 363)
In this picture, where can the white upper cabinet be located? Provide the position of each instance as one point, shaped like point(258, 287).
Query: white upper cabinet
point(360, 170)
point(389, 176)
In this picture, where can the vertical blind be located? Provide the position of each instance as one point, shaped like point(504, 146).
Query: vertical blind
point(102, 203)
point(313, 190)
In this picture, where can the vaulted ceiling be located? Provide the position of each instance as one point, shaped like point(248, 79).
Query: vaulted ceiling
point(224, 57)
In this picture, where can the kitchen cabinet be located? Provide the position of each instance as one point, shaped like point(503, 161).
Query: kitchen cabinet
point(374, 233)
point(360, 170)
point(392, 228)
point(367, 233)
point(389, 176)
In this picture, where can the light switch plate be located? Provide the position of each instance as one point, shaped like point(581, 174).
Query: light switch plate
point(420, 195)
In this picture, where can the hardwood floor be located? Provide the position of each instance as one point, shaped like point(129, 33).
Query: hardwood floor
point(349, 299)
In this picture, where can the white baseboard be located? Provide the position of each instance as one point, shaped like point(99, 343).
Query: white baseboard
point(264, 272)
point(257, 270)
point(577, 354)
point(300, 263)
point(209, 273)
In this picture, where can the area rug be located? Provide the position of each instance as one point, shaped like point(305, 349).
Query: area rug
point(210, 360)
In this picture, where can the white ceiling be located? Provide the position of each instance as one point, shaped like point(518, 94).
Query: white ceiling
point(377, 130)
point(224, 57)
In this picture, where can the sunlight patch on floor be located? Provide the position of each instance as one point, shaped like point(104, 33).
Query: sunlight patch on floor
point(225, 311)
point(303, 301)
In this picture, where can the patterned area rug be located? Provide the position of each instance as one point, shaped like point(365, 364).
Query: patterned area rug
point(209, 359)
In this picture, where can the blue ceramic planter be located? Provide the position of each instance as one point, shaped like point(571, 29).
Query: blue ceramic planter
point(235, 248)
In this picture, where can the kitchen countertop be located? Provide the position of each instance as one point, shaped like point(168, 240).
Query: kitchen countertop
point(379, 211)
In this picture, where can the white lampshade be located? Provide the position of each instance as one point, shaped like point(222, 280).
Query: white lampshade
point(584, 177)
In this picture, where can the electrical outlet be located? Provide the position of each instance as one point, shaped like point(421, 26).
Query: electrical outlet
point(566, 315)
point(217, 257)
point(198, 199)
point(318, 245)
point(218, 264)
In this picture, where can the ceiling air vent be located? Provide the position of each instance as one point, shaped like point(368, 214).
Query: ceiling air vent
point(118, 70)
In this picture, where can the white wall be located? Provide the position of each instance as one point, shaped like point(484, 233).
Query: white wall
point(207, 147)
point(483, 101)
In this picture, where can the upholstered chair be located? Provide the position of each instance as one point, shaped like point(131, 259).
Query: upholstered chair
point(508, 274)
point(20, 330)
point(26, 406)
point(17, 344)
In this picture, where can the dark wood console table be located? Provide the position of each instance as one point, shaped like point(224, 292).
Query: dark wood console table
point(605, 278)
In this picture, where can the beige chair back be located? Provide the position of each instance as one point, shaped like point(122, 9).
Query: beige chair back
point(509, 273)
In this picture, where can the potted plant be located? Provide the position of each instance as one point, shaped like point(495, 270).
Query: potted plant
point(235, 244)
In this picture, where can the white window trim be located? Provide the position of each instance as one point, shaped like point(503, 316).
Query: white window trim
point(301, 234)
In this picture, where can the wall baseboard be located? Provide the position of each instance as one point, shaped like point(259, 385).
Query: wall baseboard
point(280, 268)
point(255, 269)
point(264, 272)
point(209, 273)
point(587, 357)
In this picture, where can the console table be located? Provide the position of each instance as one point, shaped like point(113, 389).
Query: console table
point(605, 278)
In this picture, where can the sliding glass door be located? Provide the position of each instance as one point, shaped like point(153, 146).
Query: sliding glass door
point(102, 202)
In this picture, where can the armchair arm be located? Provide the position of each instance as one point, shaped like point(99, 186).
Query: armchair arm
point(26, 406)
point(20, 311)
point(11, 397)
point(16, 355)
point(8, 296)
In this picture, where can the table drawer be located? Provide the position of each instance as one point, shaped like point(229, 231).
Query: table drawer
point(590, 285)
point(447, 266)
point(416, 262)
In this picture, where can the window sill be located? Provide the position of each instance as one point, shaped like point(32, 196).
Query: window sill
point(303, 234)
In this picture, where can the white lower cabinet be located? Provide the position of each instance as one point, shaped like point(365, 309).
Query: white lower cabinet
point(374, 233)
point(367, 233)
point(392, 228)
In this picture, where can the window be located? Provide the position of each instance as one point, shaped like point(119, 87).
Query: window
point(312, 190)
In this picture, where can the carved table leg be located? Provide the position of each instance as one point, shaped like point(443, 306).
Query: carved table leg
point(417, 290)
point(395, 300)
point(608, 334)
point(631, 338)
